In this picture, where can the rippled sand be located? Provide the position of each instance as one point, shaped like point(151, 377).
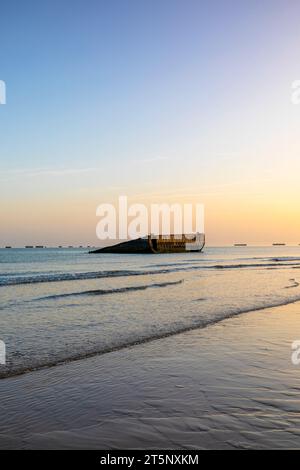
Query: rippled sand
point(230, 385)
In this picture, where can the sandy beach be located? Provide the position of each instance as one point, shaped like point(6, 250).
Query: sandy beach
point(230, 385)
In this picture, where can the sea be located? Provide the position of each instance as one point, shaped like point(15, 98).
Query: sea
point(60, 305)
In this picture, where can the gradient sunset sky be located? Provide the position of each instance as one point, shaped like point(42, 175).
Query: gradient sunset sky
point(160, 100)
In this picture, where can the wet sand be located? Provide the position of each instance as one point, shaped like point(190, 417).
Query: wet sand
point(230, 385)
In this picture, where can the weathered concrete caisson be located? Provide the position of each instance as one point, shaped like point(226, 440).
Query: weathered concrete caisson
point(160, 244)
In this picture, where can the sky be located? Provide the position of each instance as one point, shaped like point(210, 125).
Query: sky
point(161, 100)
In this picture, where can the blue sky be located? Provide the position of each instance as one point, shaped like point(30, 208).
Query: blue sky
point(146, 97)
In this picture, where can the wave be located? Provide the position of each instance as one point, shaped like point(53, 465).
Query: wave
point(120, 290)
point(285, 258)
point(62, 277)
point(145, 338)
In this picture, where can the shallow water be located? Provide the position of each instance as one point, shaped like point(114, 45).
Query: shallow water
point(228, 386)
point(58, 305)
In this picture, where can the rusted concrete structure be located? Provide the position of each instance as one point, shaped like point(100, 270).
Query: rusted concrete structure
point(160, 244)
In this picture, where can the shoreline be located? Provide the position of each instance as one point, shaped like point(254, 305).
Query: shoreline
point(146, 340)
point(231, 385)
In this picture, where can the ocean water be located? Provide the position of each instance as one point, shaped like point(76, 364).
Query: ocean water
point(59, 305)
